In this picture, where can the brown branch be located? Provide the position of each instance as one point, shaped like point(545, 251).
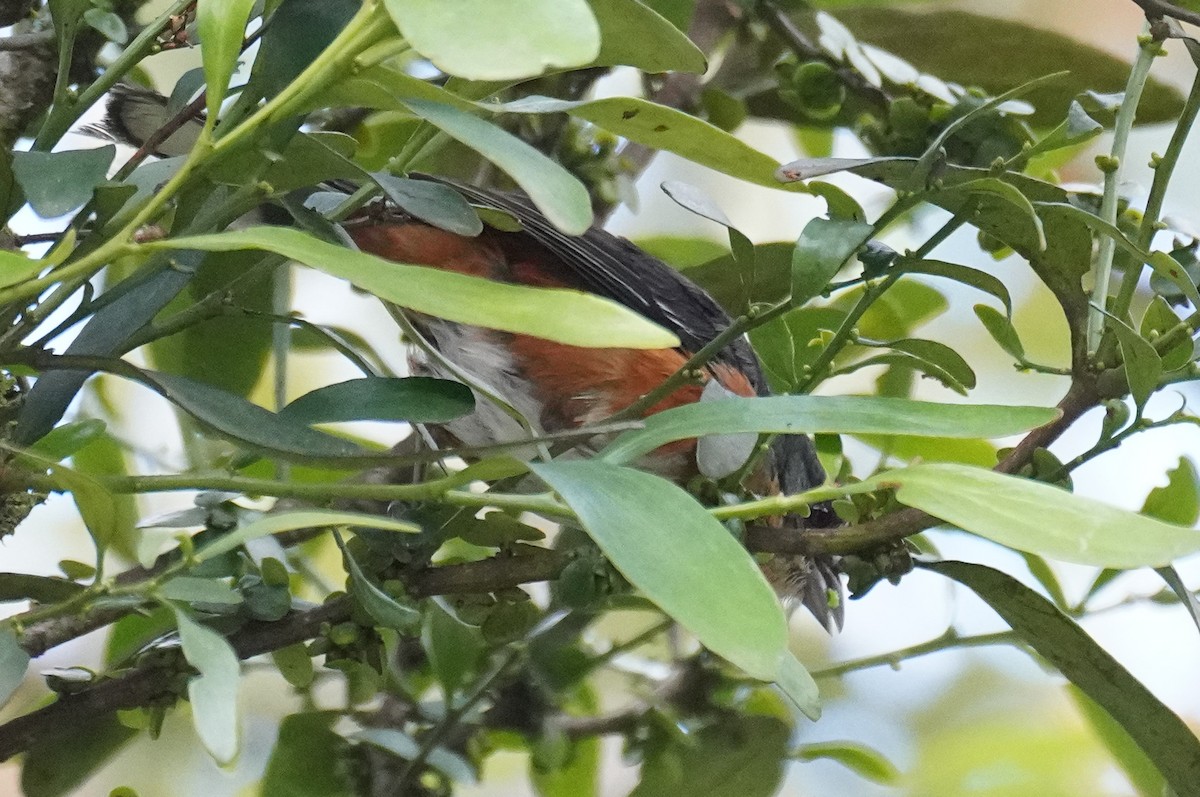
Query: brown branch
point(148, 683)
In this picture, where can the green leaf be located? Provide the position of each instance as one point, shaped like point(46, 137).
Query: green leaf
point(662, 128)
point(682, 559)
point(1040, 569)
point(60, 765)
point(947, 43)
point(903, 308)
point(438, 204)
point(222, 26)
point(101, 458)
point(454, 647)
point(295, 665)
point(383, 608)
point(826, 415)
point(247, 423)
point(1179, 501)
point(1142, 364)
point(212, 693)
point(740, 756)
point(15, 268)
point(576, 776)
point(726, 279)
point(41, 589)
point(934, 449)
point(635, 35)
point(13, 663)
point(190, 589)
point(824, 247)
point(484, 40)
point(1161, 735)
point(308, 758)
point(55, 183)
point(202, 351)
point(1035, 517)
point(63, 441)
point(96, 504)
point(297, 32)
point(560, 196)
point(1008, 193)
point(1186, 596)
point(939, 355)
point(1158, 319)
point(858, 758)
point(798, 684)
point(1140, 769)
point(563, 316)
point(962, 274)
point(400, 744)
point(414, 399)
point(1001, 328)
point(108, 24)
point(300, 519)
point(1170, 269)
point(791, 342)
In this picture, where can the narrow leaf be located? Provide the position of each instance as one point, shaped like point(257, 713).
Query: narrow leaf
point(383, 608)
point(1160, 734)
point(1038, 518)
point(289, 521)
point(413, 399)
point(635, 35)
point(564, 316)
point(663, 128)
point(557, 193)
point(222, 26)
point(826, 415)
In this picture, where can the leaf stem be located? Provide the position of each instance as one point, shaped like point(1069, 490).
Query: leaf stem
point(1164, 168)
point(1148, 49)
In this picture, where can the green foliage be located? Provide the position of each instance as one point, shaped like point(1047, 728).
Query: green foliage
point(405, 585)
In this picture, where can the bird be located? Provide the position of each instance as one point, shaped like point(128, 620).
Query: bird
point(554, 386)
point(561, 387)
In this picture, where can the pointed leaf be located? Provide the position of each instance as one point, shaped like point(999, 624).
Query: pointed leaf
point(212, 693)
point(1001, 329)
point(414, 399)
point(564, 316)
point(1038, 518)
point(675, 553)
point(635, 35)
point(222, 27)
point(1160, 734)
point(303, 519)
point(824, 247)
point(662, 128)
point(436, 203)
point(826, 415)
point(383, 608)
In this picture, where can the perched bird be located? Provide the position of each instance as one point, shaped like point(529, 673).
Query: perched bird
point(555, 386)
point(558, 387)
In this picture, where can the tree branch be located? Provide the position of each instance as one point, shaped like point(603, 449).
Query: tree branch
point(145, 684)
point(1157, 9)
